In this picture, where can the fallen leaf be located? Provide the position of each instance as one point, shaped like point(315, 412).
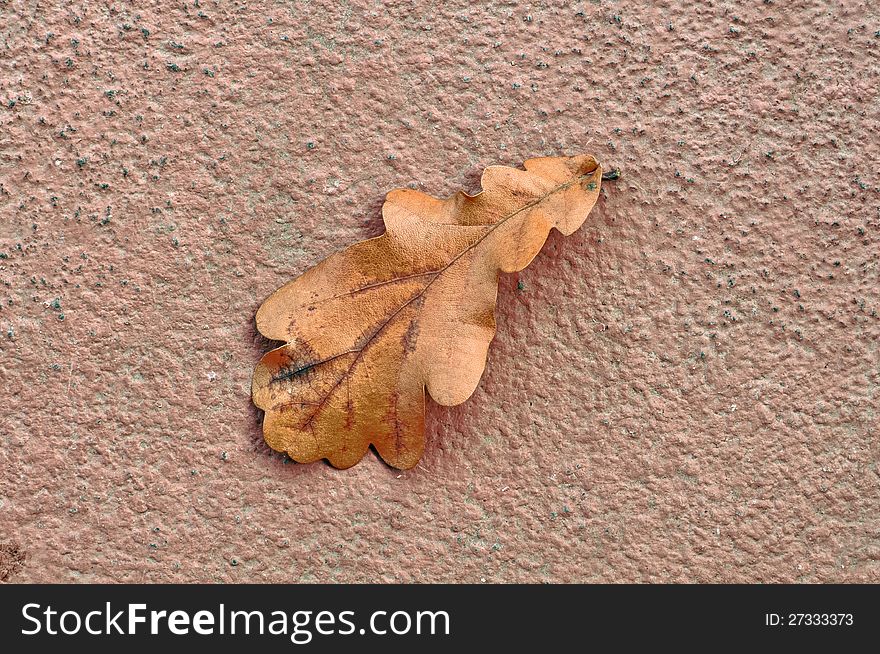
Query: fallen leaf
point(368, 329)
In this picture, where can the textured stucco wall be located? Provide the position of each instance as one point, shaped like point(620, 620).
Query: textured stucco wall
point(684, 390)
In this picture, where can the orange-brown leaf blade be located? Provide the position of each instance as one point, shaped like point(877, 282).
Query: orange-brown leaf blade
point(368, 329)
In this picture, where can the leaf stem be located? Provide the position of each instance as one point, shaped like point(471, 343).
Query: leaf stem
point(611, 175)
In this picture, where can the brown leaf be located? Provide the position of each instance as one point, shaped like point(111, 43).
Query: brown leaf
point(370, 327)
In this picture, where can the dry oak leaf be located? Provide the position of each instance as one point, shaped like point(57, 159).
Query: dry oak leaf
point(370, 327)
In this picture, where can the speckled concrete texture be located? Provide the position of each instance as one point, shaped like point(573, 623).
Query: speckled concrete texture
point(684, 390)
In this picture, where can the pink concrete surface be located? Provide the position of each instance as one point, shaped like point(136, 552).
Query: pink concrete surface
point(684, 390)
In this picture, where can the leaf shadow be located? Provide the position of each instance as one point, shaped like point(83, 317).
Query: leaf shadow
point(375, 225)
